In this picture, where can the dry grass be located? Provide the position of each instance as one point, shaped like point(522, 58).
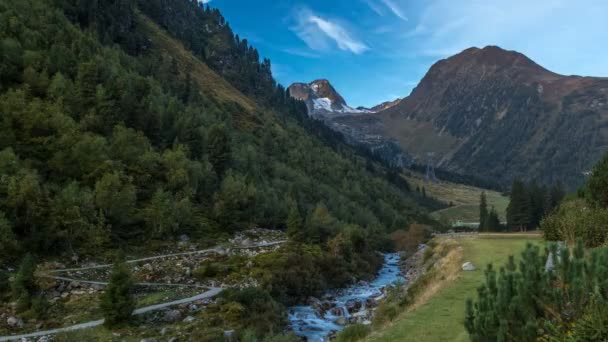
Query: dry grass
point(206, 79)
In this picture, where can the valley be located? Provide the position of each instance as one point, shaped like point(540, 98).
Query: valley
point(159, 183)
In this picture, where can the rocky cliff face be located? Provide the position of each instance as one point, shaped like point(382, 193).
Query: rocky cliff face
point(497, 114)
point(322, 100)
point(325, 103)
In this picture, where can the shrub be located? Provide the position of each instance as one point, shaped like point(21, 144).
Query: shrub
point(24, 286)
point(577, 219)
point(254, 309)
point(528, 302)
point(117, 304)
point(386, 312)
point(353, 333)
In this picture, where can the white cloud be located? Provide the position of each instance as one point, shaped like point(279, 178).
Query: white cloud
point(319, 33)
point(395, 9)
point(374, 7)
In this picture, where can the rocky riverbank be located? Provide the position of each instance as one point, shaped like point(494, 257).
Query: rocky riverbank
point(322, 318)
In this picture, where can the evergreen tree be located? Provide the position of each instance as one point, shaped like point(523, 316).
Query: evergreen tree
point(483, 211)
point(492, 221)
point(519, 215)
point(423, 192)
point(219, 149)
point(24, 286)
point(294, 223)
point(556, 194)
point(532, 302)
point(117, 303)
point(597, 185)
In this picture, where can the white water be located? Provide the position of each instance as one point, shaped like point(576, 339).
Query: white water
point(307, 323)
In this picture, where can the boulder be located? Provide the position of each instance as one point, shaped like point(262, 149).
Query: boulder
point(172, 316)
point(189, 319)
point(229, 333)
point(14, 322)
point(342, 321)
point(468, 266)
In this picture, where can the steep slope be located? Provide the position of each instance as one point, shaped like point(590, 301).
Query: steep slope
point(132, 138)
point(497, 114)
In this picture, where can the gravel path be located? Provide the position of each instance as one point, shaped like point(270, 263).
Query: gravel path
point(208, 294)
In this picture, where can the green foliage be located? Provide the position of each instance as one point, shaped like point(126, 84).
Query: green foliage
point(483, 212)
point(106, 141)
point(597, 185)
point(117, 302)
point(219, 149)
point(531, 202)
point(576, 219)
point(295, 227)
point(295, 272)
point(526, 302)
point(24, 286)
point(253, 308)
point(8, 240)
point(385, 313)
point(352, 333)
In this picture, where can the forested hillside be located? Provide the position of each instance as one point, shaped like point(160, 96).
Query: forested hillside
point(113, 133)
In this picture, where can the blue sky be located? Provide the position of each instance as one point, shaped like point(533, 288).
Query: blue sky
point(377, 50)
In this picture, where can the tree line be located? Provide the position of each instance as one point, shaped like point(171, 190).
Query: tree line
point(529, 203)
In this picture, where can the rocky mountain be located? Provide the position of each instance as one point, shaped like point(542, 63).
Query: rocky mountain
point(323, 101)
point(497, 114)
point(385, 105)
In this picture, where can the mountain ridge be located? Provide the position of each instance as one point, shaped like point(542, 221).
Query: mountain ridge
point(496, 113)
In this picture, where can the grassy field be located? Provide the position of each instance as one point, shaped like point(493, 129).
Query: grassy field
point(465, 199)
point(441, 317)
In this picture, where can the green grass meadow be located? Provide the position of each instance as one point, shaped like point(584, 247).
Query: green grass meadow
point(442, 317)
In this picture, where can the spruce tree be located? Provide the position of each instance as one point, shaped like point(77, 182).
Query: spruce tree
point(597, 185)
point(219, 149)
point(518, 211)
point(24, 286)
point(295, 227)
point(492, 221)
point(483, 212)
point(117, 304)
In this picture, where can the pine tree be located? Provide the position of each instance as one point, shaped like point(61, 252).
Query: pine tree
point(117, 304)
point(24, 286)
point(294, 223)
point(518, 211)
point(483, 212)
point(492, 221)
point(597, 185)
point(219, 149)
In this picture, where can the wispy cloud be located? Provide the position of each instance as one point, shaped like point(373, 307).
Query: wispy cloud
point(319, 33)
point(300, 52)
point(374, 7)
point(395, 9)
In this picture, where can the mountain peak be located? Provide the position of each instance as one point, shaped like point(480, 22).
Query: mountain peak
point(322, 99)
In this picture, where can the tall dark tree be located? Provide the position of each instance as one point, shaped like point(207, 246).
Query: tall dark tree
point(597, 185)
point(483, 211)
point(117, 302)
point(519, 214)
point(24, 285)
point(219, 149)
point(295, 227)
